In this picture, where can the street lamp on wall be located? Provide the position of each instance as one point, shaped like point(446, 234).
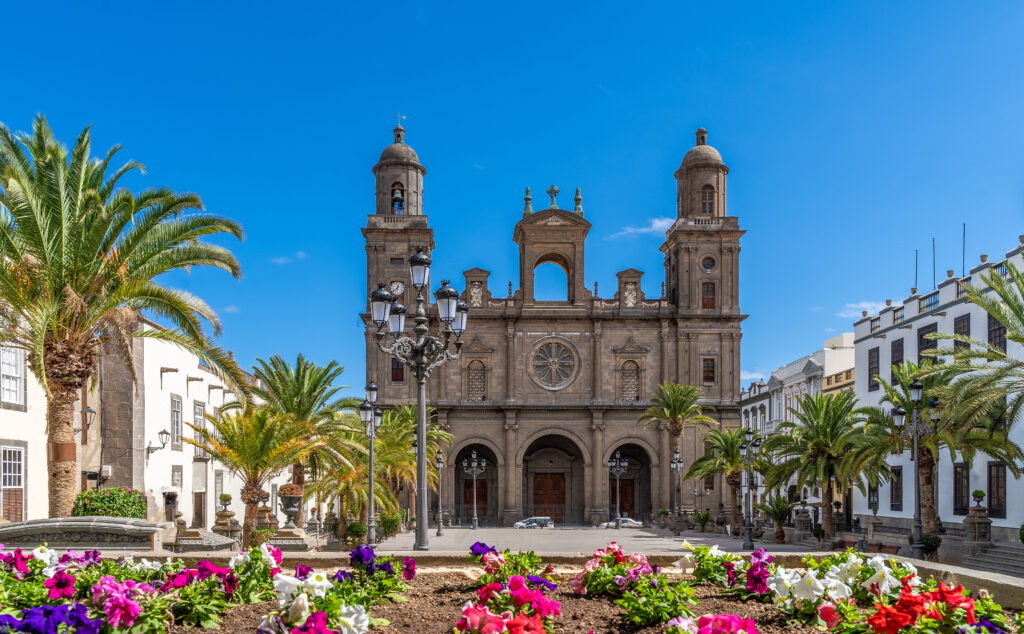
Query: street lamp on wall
point(88, 417)
point(164, 436)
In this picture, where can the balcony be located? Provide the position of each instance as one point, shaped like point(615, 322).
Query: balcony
point(928, 302)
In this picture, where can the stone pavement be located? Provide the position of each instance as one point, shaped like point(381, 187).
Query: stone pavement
point(574, 539)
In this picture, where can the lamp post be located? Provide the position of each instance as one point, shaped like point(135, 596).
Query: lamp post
point(439, 458)
point(918, 427)
point(422, 353)
point(474, 468)
point(749, 450)
point(697, 493)
point(676, 465)
point(617, 465)
point(371, 417)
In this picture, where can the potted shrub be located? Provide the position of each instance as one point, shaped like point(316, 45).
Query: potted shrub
point(978, 496)
point(701, 518)
point(261, 536)
point(291, 498)
point(355, 532)
point(662, 516)
point(225, 501)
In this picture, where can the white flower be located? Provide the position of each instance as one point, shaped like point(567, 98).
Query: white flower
point(49, 571)
point(686, 545)
point(846, 573)
point(45, 555)
point(782, 582)
point(287, 587)
point(267, 557)
point(317, 584)
point(352, 619)
point(809, 587)
point(836, 589)
point(878, 563)
point(716, 551)
point(128, 561)
point(146, 564)
point(886, 582)
point(299, 609)
point(238, 559)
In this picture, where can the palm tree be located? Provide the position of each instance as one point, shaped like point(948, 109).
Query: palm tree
point(777, 508)
point(818, 447)
point(988, 379)
point(677, 406)
point(304, 391)
point(80, 255)
point(254, 444)
point(723, 456)
point(956, 430)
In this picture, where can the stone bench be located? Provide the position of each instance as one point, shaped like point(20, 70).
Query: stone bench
point(84, 533)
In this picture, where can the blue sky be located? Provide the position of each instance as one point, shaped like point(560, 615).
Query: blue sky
point(855, 132)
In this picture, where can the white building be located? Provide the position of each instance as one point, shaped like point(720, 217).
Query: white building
point(122, 447)
point(763, 406)
point(897, 333)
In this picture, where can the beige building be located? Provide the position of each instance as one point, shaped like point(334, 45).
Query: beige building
point(547, 391)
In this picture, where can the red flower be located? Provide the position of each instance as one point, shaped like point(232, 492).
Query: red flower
point(619, 557)
point(485, 593)
point(888, 620)
point(523, 624)
point(955, 597)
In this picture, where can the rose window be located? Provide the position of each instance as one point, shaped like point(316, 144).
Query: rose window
point(553, 365)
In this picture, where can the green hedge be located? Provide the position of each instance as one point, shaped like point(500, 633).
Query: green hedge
point(114, 502)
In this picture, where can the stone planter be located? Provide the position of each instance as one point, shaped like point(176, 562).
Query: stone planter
point(225, 502)
point(290, 508)
point(978, 499)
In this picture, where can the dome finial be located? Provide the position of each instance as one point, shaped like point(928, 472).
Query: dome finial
point(399, 130)
point(578, 200)
point(702, 136)
point(527, 203)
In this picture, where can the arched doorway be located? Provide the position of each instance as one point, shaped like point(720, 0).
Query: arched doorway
point(553, 480)
point(634, 486)
point(486, 487)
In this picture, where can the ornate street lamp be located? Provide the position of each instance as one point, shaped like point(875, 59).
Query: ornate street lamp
point(439, 458)
point(474, 468)
point(371, 417)
point(617, 465)
point(749, 450)
point(918, 428)
point(164, 436)
point(676, 465)
point(422, 353)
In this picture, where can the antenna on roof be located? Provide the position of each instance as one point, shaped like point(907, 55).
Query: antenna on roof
point(963, 252)
point(933, 263)
point(915, 268)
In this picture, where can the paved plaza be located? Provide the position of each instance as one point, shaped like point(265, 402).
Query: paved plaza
point(573, 539)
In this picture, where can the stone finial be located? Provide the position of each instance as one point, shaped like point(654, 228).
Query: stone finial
point(950, 273)
point(510, 289)
point(595, 290)
point(578, 199)
point(553, 192)
point(863, 313)
point(913, 290)
point(984, 258)
point(888, 302)
point(527, 203)
point(1021, 238)
point(702, 136)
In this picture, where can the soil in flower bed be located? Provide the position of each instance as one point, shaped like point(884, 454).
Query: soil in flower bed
point(434, 603)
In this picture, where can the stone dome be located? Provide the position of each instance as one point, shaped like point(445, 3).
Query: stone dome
point(702, 153)
point(399, 151)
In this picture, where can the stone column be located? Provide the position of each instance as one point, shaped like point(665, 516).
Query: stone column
point(596, 360)
point(511, 511)
point(664, 473)
point(510, 361)
point(663, 351)
point(977, 531)
point(599, 472)
point(691, 284)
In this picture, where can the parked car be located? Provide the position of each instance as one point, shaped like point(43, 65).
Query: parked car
point(625, 522)
point(535, 522)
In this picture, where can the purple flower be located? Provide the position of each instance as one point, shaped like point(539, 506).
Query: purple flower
point(78, 616)
point(301, 572)
point(730, 569)
point(90, 558)
point(479, 549)
point(983, 626)
point(9, 623)
point(384, 567)
point(230, 584)
point(45, 619)
point(541, 581)
point(207, 569)
point(342, 576)
point(408, 569)
point(760, 556)
point(362, 555)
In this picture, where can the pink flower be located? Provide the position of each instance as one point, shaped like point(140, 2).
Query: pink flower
point(479, 620)
point(121, 611)
point(276, 553)
point(316, 623)
point(408, 569)
point(492, 562)
point(61, 585)
point(828, 613)
point(637, 558)
point(545, 607)
point(725, 624)
point(578, 584)
point(207, 570)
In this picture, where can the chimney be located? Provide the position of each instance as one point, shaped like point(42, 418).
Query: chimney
point(888, 302)
point(913, 290)
point(984, 258)
point(863, 313)
point(949, 273)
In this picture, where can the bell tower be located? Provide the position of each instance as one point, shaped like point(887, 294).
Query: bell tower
point(399, 179)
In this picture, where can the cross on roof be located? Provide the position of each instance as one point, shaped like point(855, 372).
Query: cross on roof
point(553, 192)
point(398, 117)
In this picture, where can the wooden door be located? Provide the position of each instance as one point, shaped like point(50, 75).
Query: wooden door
point(199, 510)
point(481, 499)
point(12, 483)
point(549, 496)
point(626, 507)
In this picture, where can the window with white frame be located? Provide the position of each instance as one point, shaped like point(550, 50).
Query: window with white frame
point(175, 422)
point(12, 376)
point(199, 420)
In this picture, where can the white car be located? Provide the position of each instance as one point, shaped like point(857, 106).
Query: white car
point(535, 522)
point(624, 522)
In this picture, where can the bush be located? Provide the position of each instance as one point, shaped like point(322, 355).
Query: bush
point(113, 502)
point(930, 542)
point(389, 525)
point(355, 532)
point(290, 489)
point(978, 493)
point(662, 512)
point(262, 536)
point(818, 532)
point(701, 518)
point(1020, 534)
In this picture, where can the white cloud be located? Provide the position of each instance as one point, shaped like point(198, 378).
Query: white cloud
point(751, 375)
point(300, 255)
point(831, 330)
point(654, 226)
point(853, 311)
point(231, 308)
point(284, 259)
point(281, 260)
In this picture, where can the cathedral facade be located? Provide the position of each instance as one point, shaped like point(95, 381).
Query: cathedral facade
point(547, 392)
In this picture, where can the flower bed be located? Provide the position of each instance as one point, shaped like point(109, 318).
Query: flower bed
point(48, 593)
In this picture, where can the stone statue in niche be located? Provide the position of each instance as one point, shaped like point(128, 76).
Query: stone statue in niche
point(476, 294)
point(629, 294)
